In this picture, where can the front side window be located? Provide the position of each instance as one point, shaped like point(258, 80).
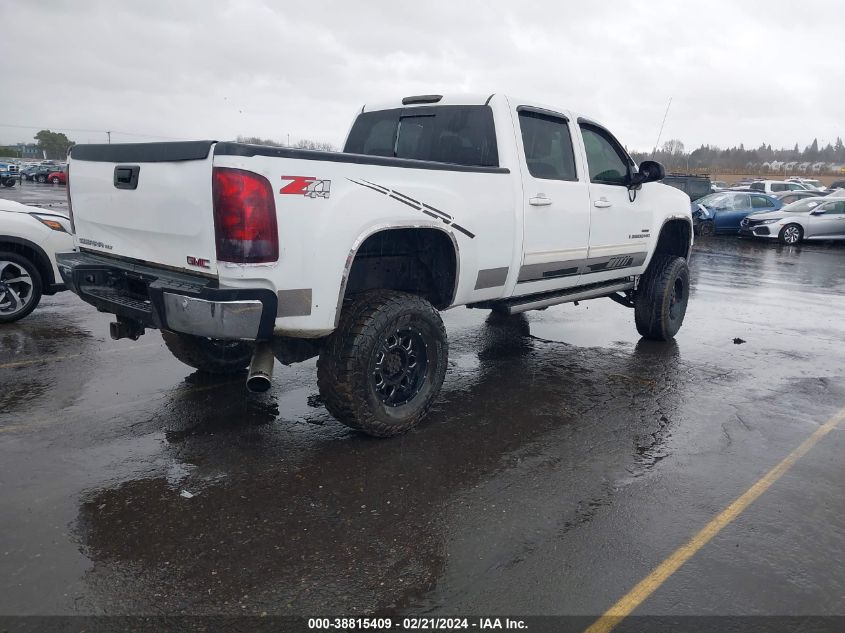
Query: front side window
point(739, 202)
point(757, 186)
point(607, 162)
point(776, 186)
point(837, 207)
point(460, 135)
point(548, 146)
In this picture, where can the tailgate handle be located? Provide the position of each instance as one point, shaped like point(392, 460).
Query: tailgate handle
point(126, 176)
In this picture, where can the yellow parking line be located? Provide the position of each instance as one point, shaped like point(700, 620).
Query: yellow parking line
point(648, 585)
point(44, 359)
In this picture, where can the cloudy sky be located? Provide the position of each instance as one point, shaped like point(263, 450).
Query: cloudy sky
point(738, 72)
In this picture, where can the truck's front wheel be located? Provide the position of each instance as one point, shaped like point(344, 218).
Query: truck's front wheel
point(662, 297)
point(383, 366)
point(214, 356)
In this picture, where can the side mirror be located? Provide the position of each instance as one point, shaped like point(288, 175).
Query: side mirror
point(817, 212)
point(650, 171)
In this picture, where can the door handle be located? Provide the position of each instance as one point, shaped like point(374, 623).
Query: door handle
point(540, 200)
point(602, 203)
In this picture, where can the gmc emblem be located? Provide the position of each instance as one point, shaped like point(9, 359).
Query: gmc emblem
point(198, 262)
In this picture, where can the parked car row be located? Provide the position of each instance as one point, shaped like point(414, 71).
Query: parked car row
point(789, 217)
point(54, 173)
point(697, 186)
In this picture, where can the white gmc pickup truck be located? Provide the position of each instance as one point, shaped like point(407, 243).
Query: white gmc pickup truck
point(242, 253)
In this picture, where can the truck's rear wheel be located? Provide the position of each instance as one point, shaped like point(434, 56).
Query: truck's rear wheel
point(214, 356)
point(383, 366)
point(662, 296)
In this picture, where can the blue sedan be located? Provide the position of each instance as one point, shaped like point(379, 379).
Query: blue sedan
point(722, 212)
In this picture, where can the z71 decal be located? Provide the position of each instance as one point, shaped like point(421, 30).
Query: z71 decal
point(307, 186)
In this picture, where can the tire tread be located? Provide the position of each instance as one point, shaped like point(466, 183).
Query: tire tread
point(650, 313)
point(343, 389)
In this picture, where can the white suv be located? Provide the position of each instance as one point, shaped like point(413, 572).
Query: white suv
point(776, 186)
point(29, 240)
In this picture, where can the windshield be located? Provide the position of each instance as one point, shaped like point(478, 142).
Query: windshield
point(814, 183)
point(802, 206)
point(713, 200)
point(724, 200)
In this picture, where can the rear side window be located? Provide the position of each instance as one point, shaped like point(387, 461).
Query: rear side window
point(462, 135)
point(548, 146)
point(374, 133)
point(761, 202)
point(777, 186)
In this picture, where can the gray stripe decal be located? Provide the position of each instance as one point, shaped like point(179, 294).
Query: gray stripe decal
point(294, 302)
point(613, 262)
point(548, 270)
point(491, 278)
point(415, 204)
point(553, 270)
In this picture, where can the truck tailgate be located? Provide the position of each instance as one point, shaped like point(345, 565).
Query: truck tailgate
point(147, 201)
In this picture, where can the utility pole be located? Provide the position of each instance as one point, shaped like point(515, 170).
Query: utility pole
point(288, 139)
point(108, 133)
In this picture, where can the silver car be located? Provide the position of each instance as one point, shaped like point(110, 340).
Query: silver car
point(808, 219)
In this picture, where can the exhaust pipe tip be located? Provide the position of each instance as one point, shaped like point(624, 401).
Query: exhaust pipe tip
point(260, 375)
point(258, 383)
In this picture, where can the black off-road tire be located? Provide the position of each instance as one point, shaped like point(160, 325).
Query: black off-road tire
point(37, 286)
point(347, 368)
point(793, 229)
point(662, 296)
point(213, 356)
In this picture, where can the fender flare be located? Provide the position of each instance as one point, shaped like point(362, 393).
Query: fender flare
point(687, 217)
point(353, 251)
point(44, 262)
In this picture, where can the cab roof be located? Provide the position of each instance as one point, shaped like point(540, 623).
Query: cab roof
point(429, 99)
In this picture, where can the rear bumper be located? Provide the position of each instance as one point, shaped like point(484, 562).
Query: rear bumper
point(169, 300)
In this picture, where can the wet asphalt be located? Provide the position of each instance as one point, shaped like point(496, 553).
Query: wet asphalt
point(563, 461)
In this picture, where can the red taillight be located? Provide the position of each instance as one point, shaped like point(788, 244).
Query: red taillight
point(244, 217)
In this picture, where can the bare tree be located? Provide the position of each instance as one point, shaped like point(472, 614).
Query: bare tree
point(319, 145)
point(257, 140)
point(673, 146)
point(300, 144)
